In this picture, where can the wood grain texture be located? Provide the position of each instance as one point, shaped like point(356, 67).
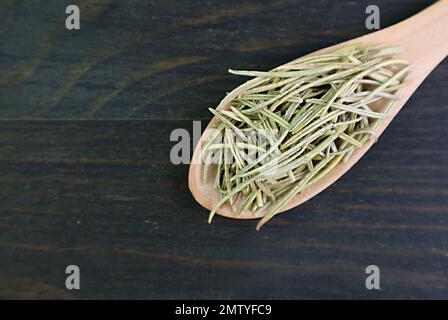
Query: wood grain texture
point(103, 194)
point(158, 59)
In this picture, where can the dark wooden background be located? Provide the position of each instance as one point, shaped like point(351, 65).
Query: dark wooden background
point(86, 179)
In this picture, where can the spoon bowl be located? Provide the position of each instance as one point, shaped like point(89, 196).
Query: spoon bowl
point(425, 42)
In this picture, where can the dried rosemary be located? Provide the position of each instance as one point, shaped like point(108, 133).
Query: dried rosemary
point(289, 127)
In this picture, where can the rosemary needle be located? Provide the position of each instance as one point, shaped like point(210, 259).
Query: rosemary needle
point(289, 127)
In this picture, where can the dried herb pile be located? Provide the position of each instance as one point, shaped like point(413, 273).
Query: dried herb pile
point(292, 125)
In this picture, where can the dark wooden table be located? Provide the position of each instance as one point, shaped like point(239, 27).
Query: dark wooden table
point(86, 178)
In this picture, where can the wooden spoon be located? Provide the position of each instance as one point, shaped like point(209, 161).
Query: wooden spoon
point(425, 40)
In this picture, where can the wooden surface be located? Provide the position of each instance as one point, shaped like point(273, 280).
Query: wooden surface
point(86, 178)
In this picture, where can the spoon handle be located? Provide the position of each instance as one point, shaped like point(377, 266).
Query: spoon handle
point(424, 37)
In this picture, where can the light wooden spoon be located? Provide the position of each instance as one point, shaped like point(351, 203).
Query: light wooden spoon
point(425, 40)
